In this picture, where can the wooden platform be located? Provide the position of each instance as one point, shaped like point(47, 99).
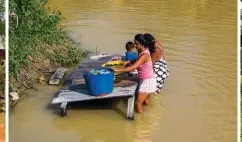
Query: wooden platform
point(83, 95)
point(74, 89)
point(68, 96)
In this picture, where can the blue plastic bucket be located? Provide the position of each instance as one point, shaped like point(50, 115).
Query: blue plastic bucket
point(98, 84)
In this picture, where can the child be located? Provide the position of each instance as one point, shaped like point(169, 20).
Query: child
point(131, 54)
point(144, 66)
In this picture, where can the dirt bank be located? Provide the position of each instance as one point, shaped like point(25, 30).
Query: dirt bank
point(2, 127)
point(40, 68)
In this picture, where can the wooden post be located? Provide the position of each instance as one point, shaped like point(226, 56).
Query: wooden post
point(63, 109)
point(130, 108)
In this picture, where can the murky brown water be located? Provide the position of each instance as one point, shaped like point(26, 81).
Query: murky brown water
point(198, 102)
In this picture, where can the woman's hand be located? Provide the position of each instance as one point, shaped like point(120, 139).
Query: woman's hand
point(137, 63)
point(125, 63)
point(115, 69)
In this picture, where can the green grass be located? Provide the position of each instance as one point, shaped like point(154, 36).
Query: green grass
point(38, 28)
point(2, 65)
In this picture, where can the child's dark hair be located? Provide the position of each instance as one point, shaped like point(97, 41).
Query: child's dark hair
point(151, 42)
point(140, 38)
point(129, 45)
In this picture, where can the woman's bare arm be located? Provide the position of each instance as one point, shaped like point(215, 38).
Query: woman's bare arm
point(138, 62)
point(153, 56)
point(159, 50)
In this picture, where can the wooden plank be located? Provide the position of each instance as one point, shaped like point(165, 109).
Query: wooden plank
point(57, 76)
point(82, 94)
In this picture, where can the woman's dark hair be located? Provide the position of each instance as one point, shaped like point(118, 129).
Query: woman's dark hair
point(151, 42)
point(140, 38)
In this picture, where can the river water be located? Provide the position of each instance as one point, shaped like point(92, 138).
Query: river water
point(199, 99)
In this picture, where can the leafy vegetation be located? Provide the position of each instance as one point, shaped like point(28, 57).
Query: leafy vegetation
point(36, 37)
point(2, 82)
point(2, 62)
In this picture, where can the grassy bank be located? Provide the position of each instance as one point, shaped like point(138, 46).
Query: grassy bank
point(2, 71)
point(2, 85)
point(37, 43)
point(2, 55)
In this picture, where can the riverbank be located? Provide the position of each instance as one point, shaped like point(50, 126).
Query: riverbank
point(2, 80)
point(2, 71)
point(2, 96)
point(38, 46)
point(2, 127)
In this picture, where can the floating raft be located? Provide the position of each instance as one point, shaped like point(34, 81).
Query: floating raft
point(75, 90)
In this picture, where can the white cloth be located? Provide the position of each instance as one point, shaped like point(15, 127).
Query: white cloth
point(147, 86)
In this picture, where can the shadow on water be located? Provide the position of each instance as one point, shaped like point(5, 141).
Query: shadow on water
point(106, 104)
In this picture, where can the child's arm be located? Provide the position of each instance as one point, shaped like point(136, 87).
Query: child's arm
point(138, 62)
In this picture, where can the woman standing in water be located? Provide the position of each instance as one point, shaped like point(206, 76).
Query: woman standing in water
point(158, 59)
point(145, 72)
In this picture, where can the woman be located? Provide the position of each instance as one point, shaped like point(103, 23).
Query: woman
point(158, 59)
point(145, 72)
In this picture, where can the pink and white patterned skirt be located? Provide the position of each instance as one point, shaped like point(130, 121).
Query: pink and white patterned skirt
point(147, 85)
